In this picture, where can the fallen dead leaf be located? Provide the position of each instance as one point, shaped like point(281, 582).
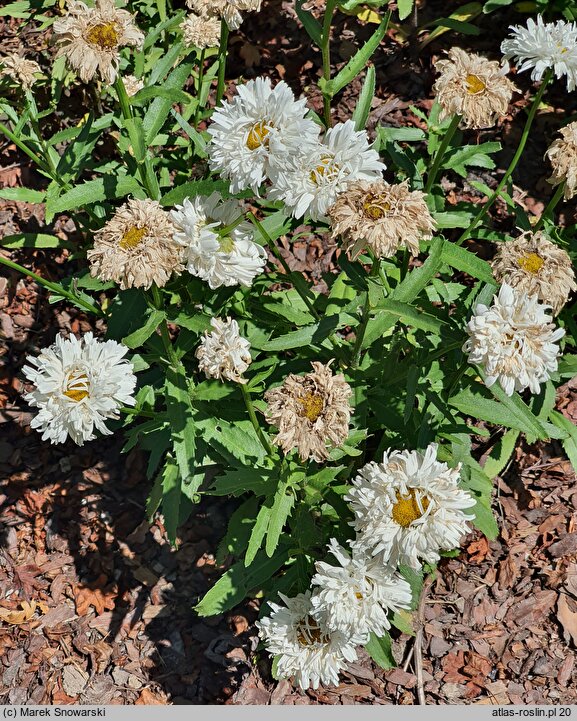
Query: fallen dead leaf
point(567, 615)
point(478, 550)
point(27, 611)
point(97, 597)
point(148, 698)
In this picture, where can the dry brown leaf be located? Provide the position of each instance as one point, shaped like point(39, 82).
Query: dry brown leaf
point(17, 617)
point(567, 615)
point(148, 698)
point(478, 550)
point(97, 597)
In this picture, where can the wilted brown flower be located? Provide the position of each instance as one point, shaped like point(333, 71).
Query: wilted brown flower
point(535, 265)
point(473, 87)
point(136, 247)
point(91, 38)
point(227, 9)
point(310, 412)
point(201, 32)
point(563, 157)
point(381, 216)
point(19, 69)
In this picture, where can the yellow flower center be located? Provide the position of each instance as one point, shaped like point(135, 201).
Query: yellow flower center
point(532, 263)
point(309, 632)
point(76, 386)
point(326, 168)
point(408, 508)
point(258, 135)
point(226, 244)
point(374, 207)
point(474, 85)
point(132, 237)
point(359, 596)
point(312, 406)
point(103, 36)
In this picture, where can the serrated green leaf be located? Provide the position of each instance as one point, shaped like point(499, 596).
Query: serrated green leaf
point(501, 453)
point(404, 7)
point(310, 24)
point(176, 195)
point(171, 497)
point(23, 195)
point(281, 509)
point(94, 191)
point(462, 259)
point(380, 650)
point(159, 109)
point(181, 419)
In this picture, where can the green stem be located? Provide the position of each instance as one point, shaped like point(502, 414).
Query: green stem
point(137, 412)
point(326, 55)
point(441, 150)
point(505, 179)
point(254, 420)
point(25, 149)
point(199, 89)
point(164, 332)
point(227, 230)
point(54, 287)
point(145, 169)
point(548, 212)
point(365, 317)
point(222, 48)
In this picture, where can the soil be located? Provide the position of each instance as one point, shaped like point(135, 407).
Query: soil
point(95, 605)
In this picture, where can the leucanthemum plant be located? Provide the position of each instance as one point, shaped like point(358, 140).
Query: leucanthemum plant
point(342, 411)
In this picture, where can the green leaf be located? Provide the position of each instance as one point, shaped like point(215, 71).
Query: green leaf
point(138, 337)
point(281, 509)
point(419, 278)
point(236, 481)
point(404, 7)
point(380, 650)
point(363, 107)
point(235, 584)
point(176, 195)
point(569, 443)
point(94, 191)
point(310, 334)
point(136, 135)
point(462, 259)
point(258, 533)
point(126, 310)
point(404, 621)
point(242, 444)
point(412, 316)
point(501, 453)
point(171, 497)
point(181, 419)
point(453, 219)
point(358, 61)
point(238, 532)
point(23, 195)
point(485, 520)
point(310, 24)
point(159, 109)
point(415, 580)
point(32, 240)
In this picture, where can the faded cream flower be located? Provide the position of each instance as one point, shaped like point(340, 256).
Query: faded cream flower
point(201, 32)
point(223, 353)
point(19, 69)
point(132, 85)
point(91, 38)
point(381, 216)
point(310, 412)
point(229, 10)
point(563, 157)
point(473, 87)
point(136, 247)
point(533, 264)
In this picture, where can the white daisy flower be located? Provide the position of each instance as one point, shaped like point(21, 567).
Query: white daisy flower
point(78, 385)
point(223, 353)
point(227, 260)
point(357, 594)
point(514, 340)
point(259, 129)
point(310, 182)
point(304, 647)
point(541, 46)
point(409, 507)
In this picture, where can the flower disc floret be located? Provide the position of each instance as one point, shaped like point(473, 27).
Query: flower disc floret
point(78, 385)
point(514, 341)
point(409, 507)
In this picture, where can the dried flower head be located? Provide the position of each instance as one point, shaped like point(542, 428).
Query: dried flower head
point(473, 87)
point(533, 264)
point(78, 385)
point(19, 69)
point(223, 353)
point(91, 38)
point(136, 247)
point(563, 157)
point(229, 10)
point(381, 216)
point(201, 32)
point(514, 340)
point(132, 84)
point(310, 412)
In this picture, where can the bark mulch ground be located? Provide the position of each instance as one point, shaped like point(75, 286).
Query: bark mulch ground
point(96, 607)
